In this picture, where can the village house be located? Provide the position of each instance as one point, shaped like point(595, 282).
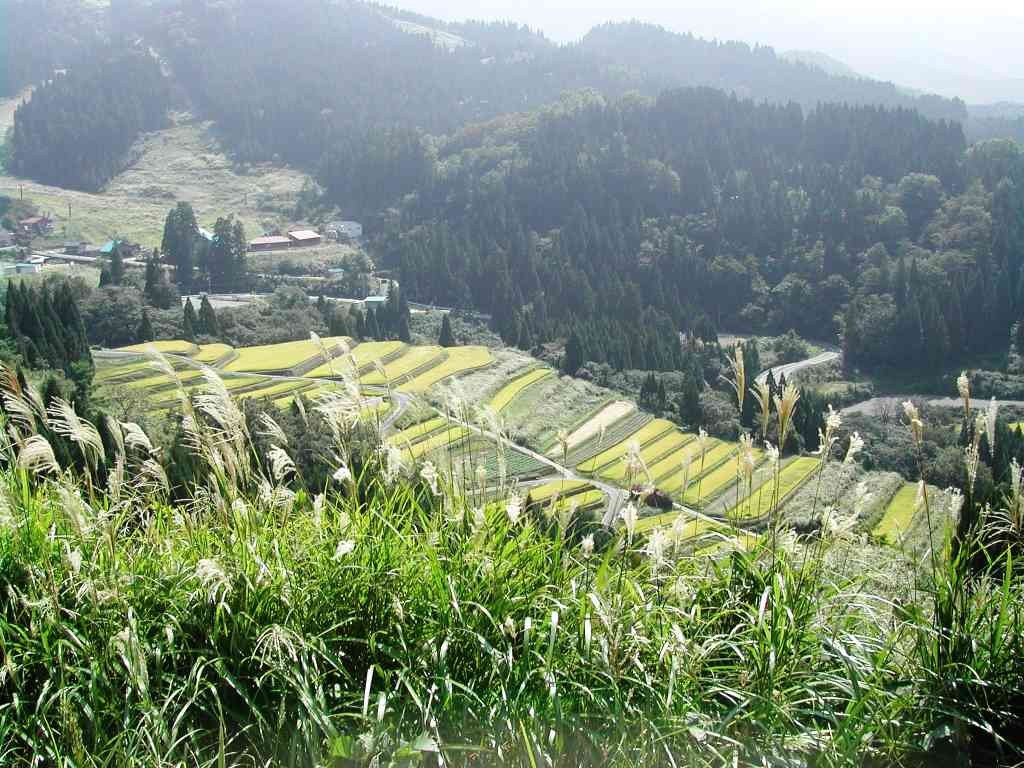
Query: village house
point(35, 225)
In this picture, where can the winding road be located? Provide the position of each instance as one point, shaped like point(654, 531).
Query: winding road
point(788, 369)
point(878, 406)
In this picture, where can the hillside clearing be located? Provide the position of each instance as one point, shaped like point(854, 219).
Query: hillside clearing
point(182, 162)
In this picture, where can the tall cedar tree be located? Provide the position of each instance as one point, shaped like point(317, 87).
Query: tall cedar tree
point(189, 320)
point(446, 337)
point(181, 233)
point(145, 331)
point(207, 320)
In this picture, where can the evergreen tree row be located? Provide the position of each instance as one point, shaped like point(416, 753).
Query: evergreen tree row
point(47, 329)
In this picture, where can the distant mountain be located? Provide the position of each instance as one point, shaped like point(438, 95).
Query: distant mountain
point(750, 71)
point(1003, 120)
point(822, 61)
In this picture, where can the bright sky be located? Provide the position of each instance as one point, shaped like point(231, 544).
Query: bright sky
point(938, 44)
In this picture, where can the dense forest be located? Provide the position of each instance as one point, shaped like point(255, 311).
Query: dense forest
point(76, 129)
point(718, 213)
point(40, 36)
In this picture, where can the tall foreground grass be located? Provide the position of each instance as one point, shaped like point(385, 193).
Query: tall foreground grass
point(384, 620)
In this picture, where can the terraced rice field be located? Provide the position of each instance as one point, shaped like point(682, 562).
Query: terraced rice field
point(603, 419)
point(276, 390)
point(760, 502)
point(177, 347)
point(618, 434)
point(417, 431)
point(449, 438)
point(273, 358)
point(310, 394)
point(649, 432)
point(107, 371)
point(512, 390)
point(667, 448)
point(712, 483)
point(459, 360)
point(212, 353)
point(582, 502)
point(899, 515)
point(396, 371)
point(240, 382)
point(560, 487)
point(671, 467)
point(361, 355)
point(718, 454)
point(481, 452)
point(694, 526)
point(164, 397)
point(161, 381)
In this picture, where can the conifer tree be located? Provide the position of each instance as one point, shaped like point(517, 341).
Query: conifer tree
point(181, 233)
point(358, 323)
point(207, 319)
point(372, 328)
point(573, 358)
point(116, 265)
point(446, 338)
point(145, 331)
point(189, 321)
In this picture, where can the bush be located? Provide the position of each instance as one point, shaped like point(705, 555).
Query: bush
point(789, 348)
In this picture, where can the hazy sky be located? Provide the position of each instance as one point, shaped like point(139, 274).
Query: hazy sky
point(937, 44)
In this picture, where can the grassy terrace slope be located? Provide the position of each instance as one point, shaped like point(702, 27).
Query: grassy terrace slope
point(180, 163)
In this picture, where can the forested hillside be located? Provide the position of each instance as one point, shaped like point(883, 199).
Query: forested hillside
point(77, 127)
point(720, 213)
point(750, 71)
point(345, 70)
point(39, 36)
point(351, 86)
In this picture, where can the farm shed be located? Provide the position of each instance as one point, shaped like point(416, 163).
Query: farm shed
point(270, 243)
point(305, 237)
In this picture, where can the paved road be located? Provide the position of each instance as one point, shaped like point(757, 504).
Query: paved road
point(790, 368)
point(876, 406)
point(58, 256)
